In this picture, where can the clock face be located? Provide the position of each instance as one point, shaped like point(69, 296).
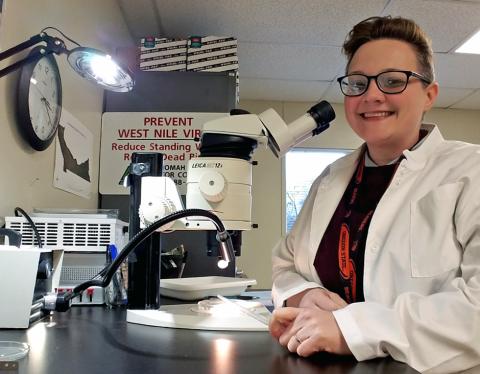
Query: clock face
point(39, 99)
point(43, 98)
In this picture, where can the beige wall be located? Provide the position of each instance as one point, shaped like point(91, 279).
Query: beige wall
point(27, 175)
point(267, 176)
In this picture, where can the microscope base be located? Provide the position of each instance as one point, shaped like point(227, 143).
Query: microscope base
point(184, 317)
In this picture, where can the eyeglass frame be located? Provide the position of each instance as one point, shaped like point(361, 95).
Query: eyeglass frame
point(408, 73)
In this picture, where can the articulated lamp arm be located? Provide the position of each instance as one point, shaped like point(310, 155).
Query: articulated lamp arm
point(53, 45)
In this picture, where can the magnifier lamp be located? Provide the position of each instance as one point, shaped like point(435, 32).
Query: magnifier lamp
point(90, 63)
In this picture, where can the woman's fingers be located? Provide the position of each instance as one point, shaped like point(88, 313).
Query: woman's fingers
point(282, 320)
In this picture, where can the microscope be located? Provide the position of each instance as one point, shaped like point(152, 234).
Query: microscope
point(219, 197)
point(220, 179)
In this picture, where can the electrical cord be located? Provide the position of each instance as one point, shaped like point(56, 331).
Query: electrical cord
point(61, 303)
point(18, 210)
point(57, 30)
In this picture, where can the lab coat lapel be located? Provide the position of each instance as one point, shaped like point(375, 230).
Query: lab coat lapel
point(330, 191)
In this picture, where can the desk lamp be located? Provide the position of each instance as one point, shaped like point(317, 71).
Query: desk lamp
point(90, 63)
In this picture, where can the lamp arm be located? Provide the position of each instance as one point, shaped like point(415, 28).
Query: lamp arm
point(18, 64)
point(20, 47)
point(54, 45)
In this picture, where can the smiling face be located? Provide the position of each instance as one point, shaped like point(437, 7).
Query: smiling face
point(388, 123)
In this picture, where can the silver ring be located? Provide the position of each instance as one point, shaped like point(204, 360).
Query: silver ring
point(298, 340)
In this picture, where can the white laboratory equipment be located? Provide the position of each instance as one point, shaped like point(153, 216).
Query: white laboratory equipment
point(84, 238)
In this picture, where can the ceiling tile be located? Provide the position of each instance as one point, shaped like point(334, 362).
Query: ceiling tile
point(141, 18)
point(470, 102)
point(323, 22)
point(283, 90)
point(458, 70)
point(448, 23)
point(448, 96)
point(333, 94)
point(291, 61)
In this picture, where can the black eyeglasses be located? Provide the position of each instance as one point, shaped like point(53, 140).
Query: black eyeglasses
point(389, 82)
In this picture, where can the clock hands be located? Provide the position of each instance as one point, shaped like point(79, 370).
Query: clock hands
point(48, 109)
point(47, 103)
point(40, 92)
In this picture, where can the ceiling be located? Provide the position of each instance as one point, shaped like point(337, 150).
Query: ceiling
point(290, 50)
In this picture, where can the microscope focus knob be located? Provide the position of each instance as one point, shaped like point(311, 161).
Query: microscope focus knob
point(155, 209)
point(213, 186)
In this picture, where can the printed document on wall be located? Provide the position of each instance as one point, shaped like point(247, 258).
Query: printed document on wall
point(73, 156)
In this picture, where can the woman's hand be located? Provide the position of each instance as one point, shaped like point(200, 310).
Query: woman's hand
point(317, 298)
point(307, 330)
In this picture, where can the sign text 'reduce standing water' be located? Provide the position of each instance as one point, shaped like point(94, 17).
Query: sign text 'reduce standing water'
point(172, 134)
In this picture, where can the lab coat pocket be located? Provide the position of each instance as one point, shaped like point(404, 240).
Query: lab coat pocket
point(433, 246)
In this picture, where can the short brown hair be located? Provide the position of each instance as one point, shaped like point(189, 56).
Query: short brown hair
point(399, 28)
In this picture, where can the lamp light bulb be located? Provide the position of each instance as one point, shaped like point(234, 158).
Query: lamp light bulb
point(100, 68)
point(105, 69)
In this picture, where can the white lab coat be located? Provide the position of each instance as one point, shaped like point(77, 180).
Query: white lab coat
point(422, 258)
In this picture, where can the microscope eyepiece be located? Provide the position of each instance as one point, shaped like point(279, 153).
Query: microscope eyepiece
point(323, 114)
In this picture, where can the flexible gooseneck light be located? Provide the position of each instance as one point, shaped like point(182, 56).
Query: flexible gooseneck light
point(61, 303)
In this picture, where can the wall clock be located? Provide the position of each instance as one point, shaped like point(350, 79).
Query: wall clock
point(39, 100)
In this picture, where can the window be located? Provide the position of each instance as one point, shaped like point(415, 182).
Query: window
point(302, 166)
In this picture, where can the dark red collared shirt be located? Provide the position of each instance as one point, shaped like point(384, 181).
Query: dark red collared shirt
point(371, 189)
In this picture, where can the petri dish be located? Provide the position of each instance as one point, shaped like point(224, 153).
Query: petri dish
point(13, 351)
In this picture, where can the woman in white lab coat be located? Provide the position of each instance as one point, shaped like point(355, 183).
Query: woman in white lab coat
point(384, 258)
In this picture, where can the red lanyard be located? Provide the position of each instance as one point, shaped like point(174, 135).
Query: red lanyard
point(347, 253)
